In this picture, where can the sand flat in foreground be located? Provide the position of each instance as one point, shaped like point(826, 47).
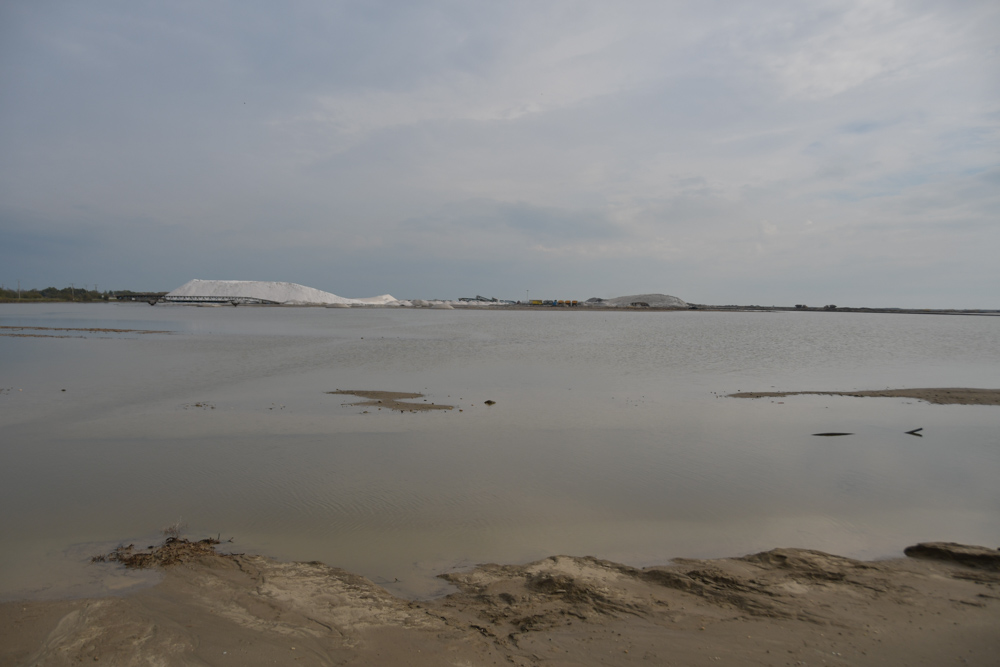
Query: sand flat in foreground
point(939, 395)
point(785, 606)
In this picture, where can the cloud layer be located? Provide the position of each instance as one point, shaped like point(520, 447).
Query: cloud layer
point(773, 152)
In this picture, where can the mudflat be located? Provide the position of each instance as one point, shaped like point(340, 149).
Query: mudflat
point(391, 400)
point(939, 395)
point(939, 606)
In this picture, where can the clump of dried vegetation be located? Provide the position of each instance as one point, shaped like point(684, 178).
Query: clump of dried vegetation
point(175, 529)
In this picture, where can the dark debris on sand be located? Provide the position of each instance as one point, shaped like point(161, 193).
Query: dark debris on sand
point(174, 550)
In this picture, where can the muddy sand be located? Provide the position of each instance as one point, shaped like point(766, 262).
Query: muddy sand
point(939, 395)
point(940, 606)
point(391, 400)
point(32, 332)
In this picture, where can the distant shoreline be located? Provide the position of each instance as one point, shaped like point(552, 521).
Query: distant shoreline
point(762, 309)
point(597, 308)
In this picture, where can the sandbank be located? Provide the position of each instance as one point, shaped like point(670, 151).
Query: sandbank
point(391, 400)
point(75, 332)
point(780, 607)
point(939, 395)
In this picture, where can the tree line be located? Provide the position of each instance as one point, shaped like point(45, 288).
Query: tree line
point(59, 294)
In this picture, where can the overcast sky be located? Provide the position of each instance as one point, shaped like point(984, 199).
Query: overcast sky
point(765, 152)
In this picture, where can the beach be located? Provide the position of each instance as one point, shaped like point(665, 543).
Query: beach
point(938, 605)
point(780, 607)
point(392, 486)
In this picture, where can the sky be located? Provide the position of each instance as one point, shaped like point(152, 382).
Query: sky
point(726, 152)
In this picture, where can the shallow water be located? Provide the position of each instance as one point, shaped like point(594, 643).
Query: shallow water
point(610, 436)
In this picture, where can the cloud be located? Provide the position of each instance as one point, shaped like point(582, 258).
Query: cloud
point(848, 44)
point(570, 142)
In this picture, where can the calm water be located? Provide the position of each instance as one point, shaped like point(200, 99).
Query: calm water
point(608, 437)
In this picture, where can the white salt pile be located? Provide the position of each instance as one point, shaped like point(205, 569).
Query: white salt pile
point(443, 304)
point(651, 300)
point(285, 293)
point(294, 294)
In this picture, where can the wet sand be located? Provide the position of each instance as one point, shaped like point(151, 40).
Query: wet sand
point(32, 332)
point(781, 607)
point(939, 395)
point(391, 400)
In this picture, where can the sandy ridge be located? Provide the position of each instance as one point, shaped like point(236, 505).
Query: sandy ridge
point(784, 606)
